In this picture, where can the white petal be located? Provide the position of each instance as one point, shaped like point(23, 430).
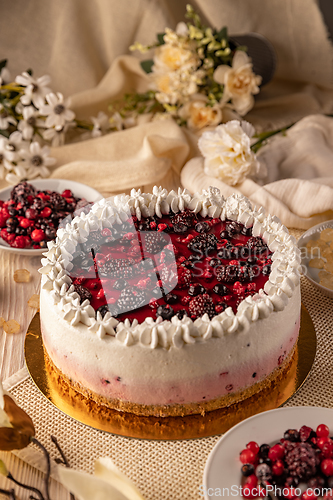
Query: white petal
point(220, 73)
point(107, 470)
point(44, 80)
point(240, 59)
point(50, 120)
point(69, 115)
point(52, 99)
point(87, 487)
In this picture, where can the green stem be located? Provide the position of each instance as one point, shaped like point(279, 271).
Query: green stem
point(263, 136)
point(84, 125)
point(12, 87)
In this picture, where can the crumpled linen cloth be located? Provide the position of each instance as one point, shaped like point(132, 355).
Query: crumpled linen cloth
point(79, 43)
point(299, 183)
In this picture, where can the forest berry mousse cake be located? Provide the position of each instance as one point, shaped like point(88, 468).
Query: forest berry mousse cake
point(170, 304)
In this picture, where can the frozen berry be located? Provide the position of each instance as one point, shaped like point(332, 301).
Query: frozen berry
point(196, 289)
point(181, 313)
point(247, 457)
point(322, 430)
point(26, 223)
point(166, 312)
point(220, 289)
point(278, 468)
point(31, 213)
point(276, 452)
point(83, 292)
point(326, 467)
point(253, 446)
point(220, 307)
point(263, 472)
point(37, 235)
point(301, 461)
point(327, 449)
point(202, 227)
point(120, 284)
point(171, 298)
point(263, 450)
point(247, 470)
point(67, 193)
point(200, 305)
point(291, 435)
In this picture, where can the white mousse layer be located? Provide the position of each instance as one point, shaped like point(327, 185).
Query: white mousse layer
point(197, 372)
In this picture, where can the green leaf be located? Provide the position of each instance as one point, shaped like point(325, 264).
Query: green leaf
point(5, 133)
point(223, 33)
point(3, 63)
point(160, 38)
point(147, 65)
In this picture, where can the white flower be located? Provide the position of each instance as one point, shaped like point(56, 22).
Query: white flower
point(106, 484)
point(12, 149)
point(57, 135)
point(36, 160)
point(182, 29)
point(30, 122)
point(169, 57)
point(57, 111)
point(198, 114)
point(3, 142)
point(175, 74)
point(5, 118)
point(240, 83)
point(4, 76)
point(35, 89)
point(101, 124)
point(227, 152)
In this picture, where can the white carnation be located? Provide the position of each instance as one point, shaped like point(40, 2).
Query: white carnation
point(227, 152)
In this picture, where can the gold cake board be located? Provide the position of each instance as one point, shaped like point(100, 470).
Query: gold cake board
point(214, 422)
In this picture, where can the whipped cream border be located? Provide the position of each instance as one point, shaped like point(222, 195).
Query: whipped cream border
point(284, 277)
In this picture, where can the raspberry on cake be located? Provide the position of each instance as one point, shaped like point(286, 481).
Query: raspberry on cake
point(183, 303)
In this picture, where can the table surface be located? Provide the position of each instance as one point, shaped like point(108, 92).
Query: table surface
point(131, 455)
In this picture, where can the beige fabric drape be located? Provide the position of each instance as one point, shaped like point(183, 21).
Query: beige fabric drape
point(81, 44)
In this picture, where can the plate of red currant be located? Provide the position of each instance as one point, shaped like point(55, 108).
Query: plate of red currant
point(31, 213)
point(284, 454)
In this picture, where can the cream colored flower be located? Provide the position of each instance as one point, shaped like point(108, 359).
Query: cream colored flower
point(198, 114)
point(107, 483)
point(240, 83)
point(169, 57)
point(227, 152)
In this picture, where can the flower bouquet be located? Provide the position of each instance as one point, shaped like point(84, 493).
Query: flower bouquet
point(198, 75)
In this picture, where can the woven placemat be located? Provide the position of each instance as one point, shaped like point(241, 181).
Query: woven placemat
point(169, 470)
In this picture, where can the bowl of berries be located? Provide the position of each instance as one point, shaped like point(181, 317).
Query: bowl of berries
point(31, 213)
point(284, 454)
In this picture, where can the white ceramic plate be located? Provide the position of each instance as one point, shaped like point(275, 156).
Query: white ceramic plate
point(79, 190)
point(311, 273)
point(223, 467)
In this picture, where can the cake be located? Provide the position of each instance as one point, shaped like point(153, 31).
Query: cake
point(170, 304)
